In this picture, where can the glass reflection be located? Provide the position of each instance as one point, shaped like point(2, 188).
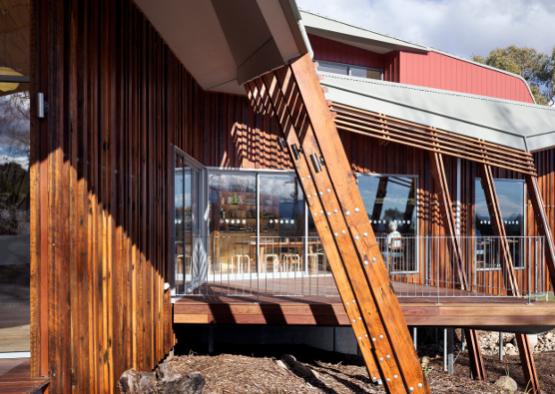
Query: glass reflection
point(390, 202)
point(14, 220)
point(281, 219)
point(510, 194)
point(232, 224)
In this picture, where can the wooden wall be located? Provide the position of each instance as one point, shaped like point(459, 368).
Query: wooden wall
point(118, 100)
point(368, 155)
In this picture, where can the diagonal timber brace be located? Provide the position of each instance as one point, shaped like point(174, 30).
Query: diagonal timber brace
point(543, 224)
point(294, 96)
point(440, 176)
point(511, 284)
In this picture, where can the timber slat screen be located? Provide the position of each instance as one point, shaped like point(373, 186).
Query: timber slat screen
point(294, 95)
point(390, 129)
point(525, 350)
point(446, 203)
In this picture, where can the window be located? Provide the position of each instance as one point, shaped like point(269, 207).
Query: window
point(282, 223)
point(14, 176)
point(189, 245)
point(390, 201)
point(232, 199)
point(510, 193)
point(346, 69)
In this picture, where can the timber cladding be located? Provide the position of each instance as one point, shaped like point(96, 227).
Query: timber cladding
point(118, 99)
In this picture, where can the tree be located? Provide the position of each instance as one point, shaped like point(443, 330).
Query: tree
point(537, 68)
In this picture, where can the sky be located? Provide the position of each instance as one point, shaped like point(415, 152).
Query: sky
point(461, 27)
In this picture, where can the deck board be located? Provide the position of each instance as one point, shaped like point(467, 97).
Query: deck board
point(15, 377)
point(235, 303)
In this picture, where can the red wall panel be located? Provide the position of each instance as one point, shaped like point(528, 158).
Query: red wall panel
point(441, 71)
point(432, 69)
point(333, 51)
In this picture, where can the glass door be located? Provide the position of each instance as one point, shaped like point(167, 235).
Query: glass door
point(14, 178)
point(190, 246)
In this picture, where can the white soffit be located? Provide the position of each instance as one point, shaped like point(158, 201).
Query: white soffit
point(355, 36)
point(225, 43)
point(510, 123)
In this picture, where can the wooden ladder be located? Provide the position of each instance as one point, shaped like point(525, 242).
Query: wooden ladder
point(294, 96)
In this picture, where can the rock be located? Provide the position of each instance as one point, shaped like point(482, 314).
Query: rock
point(165, 371)
point(133, 381)
point(129, 381)
point(510, 350)
point(147, 383)
point(164, 381)
point(506, 383)
point(533, 340)
point(192, 383)
point(425, 362)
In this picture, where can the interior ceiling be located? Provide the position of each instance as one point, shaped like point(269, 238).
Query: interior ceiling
point(14, 35)
point(14, 42)
point(225, 43)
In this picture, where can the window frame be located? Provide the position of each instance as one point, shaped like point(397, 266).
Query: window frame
point(416, 178)
point(256, 172)
point(349, 66)
point(524, 226)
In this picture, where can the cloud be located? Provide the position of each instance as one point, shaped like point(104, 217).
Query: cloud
point(464, 28)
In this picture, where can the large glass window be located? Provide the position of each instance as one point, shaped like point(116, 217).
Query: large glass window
point(510, 193)
point(232, 226)
point(282, 223)
point(390, 201)
point(14, 176)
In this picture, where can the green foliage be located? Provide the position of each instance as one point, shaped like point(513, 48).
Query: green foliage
point(537, 68)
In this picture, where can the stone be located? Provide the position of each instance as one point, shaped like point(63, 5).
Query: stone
point(533, 340)
point(192, 383)
point(129, 381)
point(425, 362)
point(147, 383)
point(165, 371)
point(510, 350)
point(506, 383)
point(164, 381)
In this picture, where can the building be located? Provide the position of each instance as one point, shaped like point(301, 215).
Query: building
point(177, 164)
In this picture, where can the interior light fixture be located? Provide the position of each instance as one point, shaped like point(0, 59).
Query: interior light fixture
point(8, 86)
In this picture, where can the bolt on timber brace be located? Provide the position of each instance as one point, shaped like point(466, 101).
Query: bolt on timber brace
point(294, 96)
point(525, 350)
point(439, 174)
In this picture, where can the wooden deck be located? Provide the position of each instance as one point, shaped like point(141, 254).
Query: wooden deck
point(235, 303)
point(15, 377)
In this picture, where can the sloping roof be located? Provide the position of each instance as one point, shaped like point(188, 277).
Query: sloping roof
point(339, 31)
point(226, 43)
point(357, 36)
point(510, 123)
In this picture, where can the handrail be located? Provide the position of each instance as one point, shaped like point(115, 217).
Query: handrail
point(419, 266)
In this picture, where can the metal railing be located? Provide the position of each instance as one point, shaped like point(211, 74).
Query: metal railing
point(422, 266)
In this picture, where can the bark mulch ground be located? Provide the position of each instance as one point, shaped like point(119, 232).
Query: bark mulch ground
point(230, 373)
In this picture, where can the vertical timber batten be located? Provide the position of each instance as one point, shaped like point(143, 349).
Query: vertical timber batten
point(542, 224)
point(478, 367)
point(299, 93)
point(524, 348)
